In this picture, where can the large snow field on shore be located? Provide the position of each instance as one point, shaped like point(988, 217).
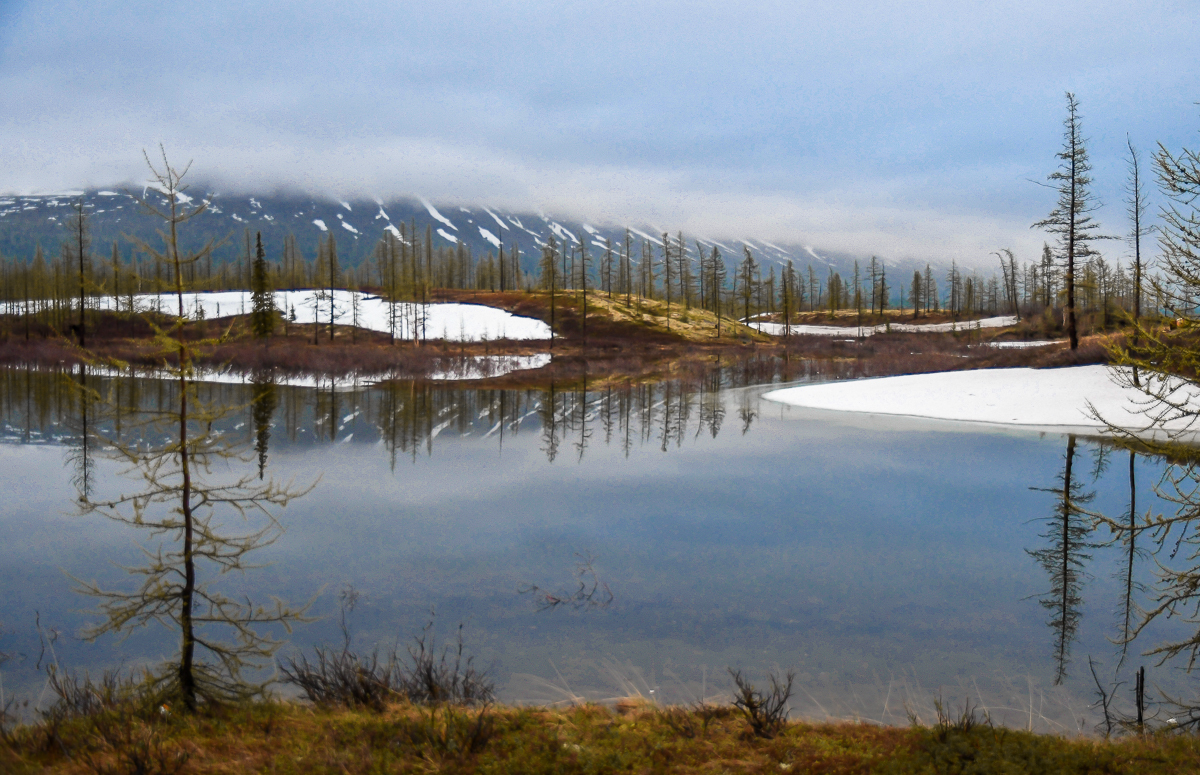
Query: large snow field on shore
point(777, 329)
point(1023, 397)
point(449, 321)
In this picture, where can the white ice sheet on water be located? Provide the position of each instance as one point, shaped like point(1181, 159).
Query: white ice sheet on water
point(1034, 397)
point(452, 322)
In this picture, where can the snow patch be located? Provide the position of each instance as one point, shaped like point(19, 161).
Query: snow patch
point(179, 195)
point(382, 215)
point(347, 206)
point(487, 235)
point(452, 322)
point(496, 218)
point(1023, 397)
point(777, 329)
point(645, 236)
point(320, 224)
point(563, 232)
point(349, 228)
point(107, 193)
point(436, 215)
point(447, 235)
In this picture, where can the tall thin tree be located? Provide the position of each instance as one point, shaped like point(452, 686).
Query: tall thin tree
point(1071, 219)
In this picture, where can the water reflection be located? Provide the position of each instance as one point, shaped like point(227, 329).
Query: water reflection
point(780, 544)
point(37, 405)
point(1068, 551)
point(263, 410)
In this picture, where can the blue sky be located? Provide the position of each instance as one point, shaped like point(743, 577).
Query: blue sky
point(903, 130)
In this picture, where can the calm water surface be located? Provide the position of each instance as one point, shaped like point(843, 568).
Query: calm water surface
point(883, 560)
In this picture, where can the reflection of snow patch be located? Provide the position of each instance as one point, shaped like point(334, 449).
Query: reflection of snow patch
point(484, 366)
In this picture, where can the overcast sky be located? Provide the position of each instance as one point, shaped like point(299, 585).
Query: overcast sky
point(900, 129)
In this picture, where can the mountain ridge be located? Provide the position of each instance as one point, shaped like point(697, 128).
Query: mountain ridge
point(358, 223)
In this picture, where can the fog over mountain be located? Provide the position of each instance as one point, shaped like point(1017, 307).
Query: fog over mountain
point(358, 223)
point(910, 132)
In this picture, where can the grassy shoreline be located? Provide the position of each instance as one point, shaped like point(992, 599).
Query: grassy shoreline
point(290, 737)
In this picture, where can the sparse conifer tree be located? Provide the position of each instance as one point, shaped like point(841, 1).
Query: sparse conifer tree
point(262, 317)
point(1071, 219)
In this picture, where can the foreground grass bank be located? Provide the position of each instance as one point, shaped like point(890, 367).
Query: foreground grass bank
point(284, 737)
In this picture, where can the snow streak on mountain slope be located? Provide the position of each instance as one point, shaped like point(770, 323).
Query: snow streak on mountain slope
point(27, 221)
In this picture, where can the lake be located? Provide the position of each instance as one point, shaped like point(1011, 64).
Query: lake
point(886, 561)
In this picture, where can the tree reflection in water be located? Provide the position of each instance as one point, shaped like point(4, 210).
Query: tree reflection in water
point(1067, 532)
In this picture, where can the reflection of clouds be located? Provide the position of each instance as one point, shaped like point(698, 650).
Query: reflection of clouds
point(834, 545)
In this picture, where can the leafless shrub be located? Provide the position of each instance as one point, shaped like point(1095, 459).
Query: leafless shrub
point(767, 713)
point(965, 721)
point(443, 678)
point(80, 697)
point(344, 677)
point(341, 676)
